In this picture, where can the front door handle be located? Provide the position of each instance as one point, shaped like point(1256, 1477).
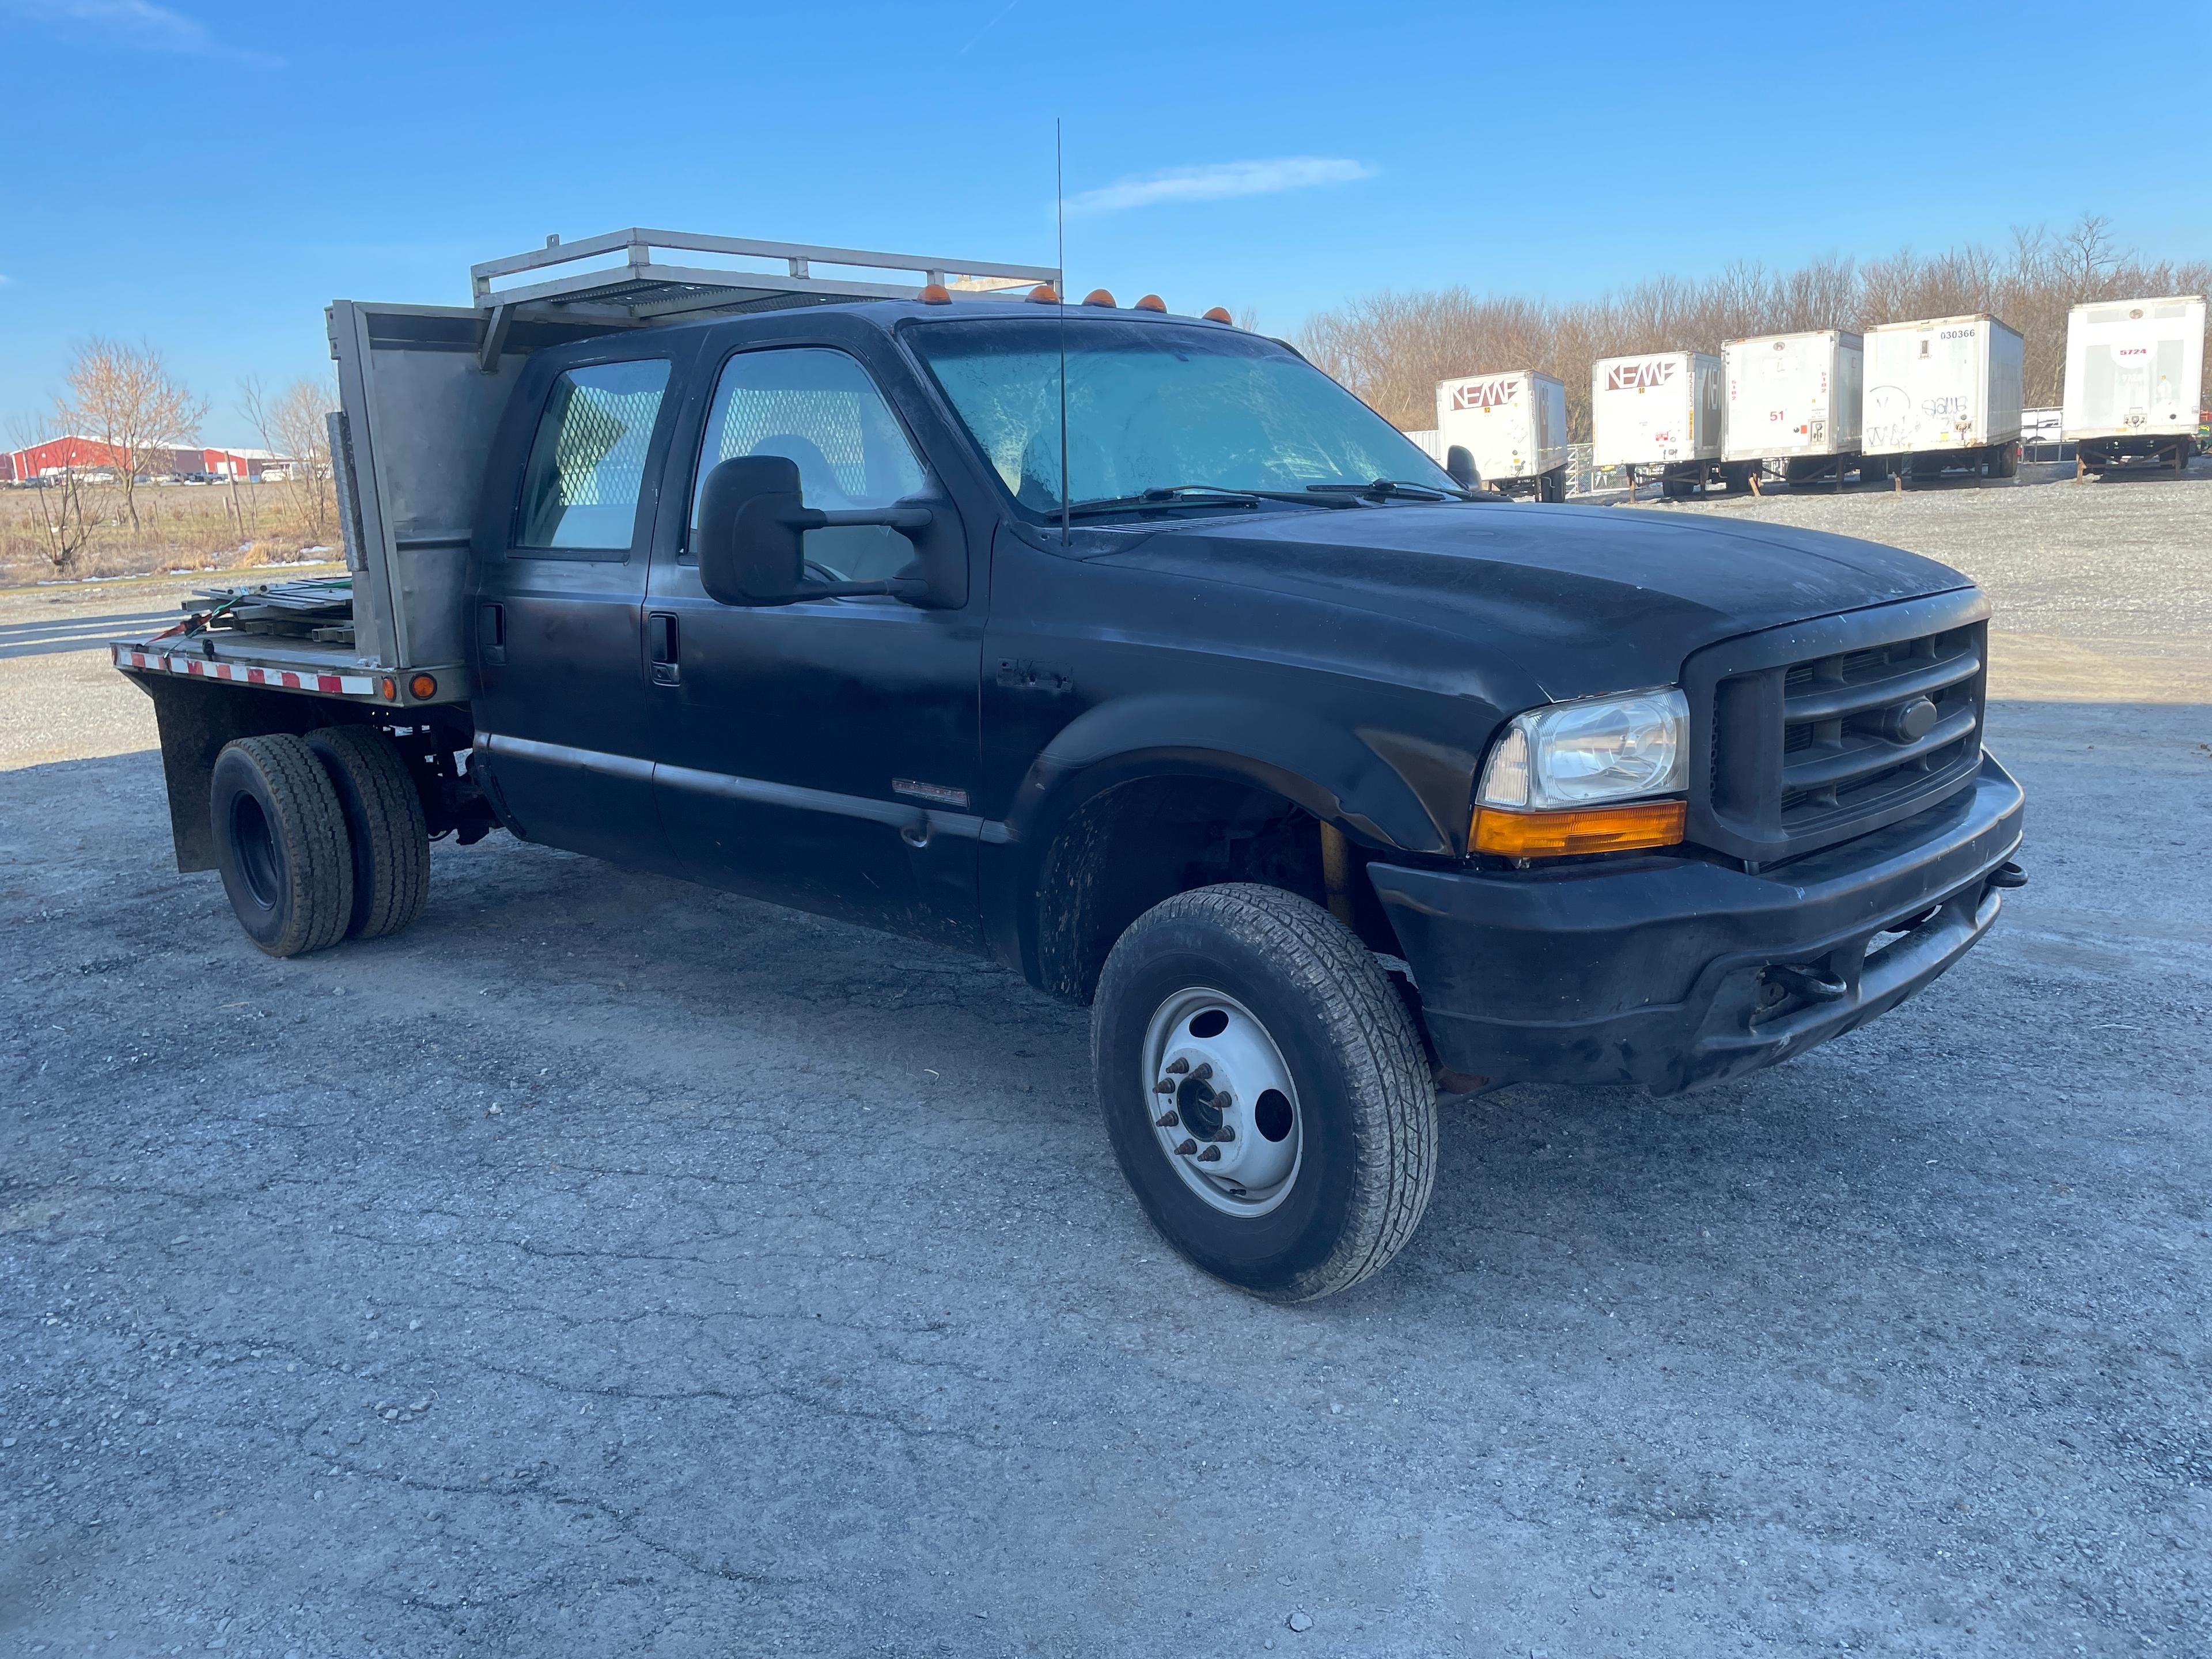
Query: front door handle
point(663, 642)
point(491, 632)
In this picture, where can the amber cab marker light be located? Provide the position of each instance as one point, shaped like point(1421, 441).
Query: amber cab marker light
point(1151, 302)
point(1219, 314)
point(1099, 297)
point(422, 686)
point(937, 295)
point(1043, 295)
point(1560, 832)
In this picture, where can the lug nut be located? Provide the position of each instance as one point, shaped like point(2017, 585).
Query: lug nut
point(1188, 1148)
point(1223, 1099)
point(1226, 1133)
point(1164, 1087)
point(1178, 1068)
point(1210, 1155)
point(1205, 1070)
point(1167, 1120)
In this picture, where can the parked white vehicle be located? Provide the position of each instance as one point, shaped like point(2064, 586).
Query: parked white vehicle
point(1514, 426)
point(2134, 379)
point(1944, 392)
point(1663, 408)
point(1794, 401)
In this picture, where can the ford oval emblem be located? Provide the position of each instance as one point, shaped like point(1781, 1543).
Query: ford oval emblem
point(1912, 722)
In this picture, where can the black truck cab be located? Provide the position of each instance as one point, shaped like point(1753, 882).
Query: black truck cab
point(1179, 681)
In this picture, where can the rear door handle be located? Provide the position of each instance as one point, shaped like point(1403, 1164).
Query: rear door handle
point(663, 642)
point(491, 632)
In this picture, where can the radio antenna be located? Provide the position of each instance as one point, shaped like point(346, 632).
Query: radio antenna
point(1060, 258)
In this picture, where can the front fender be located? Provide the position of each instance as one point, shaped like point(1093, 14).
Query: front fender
point(1388, 790)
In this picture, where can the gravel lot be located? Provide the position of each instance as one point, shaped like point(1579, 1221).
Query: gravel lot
point(609, 1267)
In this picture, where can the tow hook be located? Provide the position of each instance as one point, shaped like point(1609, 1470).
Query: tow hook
point(1814, 984)
point(2008, 875)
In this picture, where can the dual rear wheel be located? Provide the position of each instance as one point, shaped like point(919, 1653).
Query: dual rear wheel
point(318, 838)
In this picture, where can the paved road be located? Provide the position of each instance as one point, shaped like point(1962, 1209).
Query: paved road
point(606, 1266)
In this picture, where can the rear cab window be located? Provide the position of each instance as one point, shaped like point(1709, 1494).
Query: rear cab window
point(587, 471)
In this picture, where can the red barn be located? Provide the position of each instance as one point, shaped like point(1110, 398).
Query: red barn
point(72, 451)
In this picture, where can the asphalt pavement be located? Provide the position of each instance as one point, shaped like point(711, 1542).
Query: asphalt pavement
point(606, 1266)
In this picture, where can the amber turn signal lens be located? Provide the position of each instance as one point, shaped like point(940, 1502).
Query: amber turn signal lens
point(422, 686)
point(1151, 302)
point(1562, 831)
point(1043, 295)
point(1219, 314)
point(390, 690)
point(937, 295)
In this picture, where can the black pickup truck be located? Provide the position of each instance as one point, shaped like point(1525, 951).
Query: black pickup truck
point(1131, 650)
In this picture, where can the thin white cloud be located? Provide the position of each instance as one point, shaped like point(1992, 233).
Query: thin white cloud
point(142, 25)
point(1218, 182)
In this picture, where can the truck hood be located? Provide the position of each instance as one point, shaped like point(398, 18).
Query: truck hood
point(1586, 600)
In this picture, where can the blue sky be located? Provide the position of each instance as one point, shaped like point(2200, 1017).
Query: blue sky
point(207, 177)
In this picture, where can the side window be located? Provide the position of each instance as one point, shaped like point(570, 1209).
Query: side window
point(820, 408)
point(579, 491)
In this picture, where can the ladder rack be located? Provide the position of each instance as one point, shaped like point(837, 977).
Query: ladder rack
point(639, 288)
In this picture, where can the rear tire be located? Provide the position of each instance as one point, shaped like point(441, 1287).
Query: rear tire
point(384, 817)
point(1332, 1110)
point(281, 843)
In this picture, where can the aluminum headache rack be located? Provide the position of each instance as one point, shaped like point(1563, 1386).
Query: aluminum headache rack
point(618, 275)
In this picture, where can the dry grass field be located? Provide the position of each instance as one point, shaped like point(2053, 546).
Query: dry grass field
point(181, 527)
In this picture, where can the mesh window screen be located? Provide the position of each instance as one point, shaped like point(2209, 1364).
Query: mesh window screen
point(587, 465)
point(820, 408)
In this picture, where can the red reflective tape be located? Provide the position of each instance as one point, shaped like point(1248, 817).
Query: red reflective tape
point(327, 683)
point(290, 682)
point(194, 668)
point(255, 677)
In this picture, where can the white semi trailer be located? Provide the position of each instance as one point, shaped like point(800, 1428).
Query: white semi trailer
point(1664, 410)
point(1514, 426)
point(1943, 394)
point(1793, 403)
point(2134, 375)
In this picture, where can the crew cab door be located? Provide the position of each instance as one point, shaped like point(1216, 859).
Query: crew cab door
point(560, 706)
point(822, 753)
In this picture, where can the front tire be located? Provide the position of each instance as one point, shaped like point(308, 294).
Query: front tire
point(1257, 995)
point(281, 843)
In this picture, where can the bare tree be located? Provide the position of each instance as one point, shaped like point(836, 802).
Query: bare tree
point(124, 396)
point(292, 426)
point(1392, 349)
point(59, 516)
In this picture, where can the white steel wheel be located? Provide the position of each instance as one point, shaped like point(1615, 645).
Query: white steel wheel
point(1264, 1090)
point(1226, 1115)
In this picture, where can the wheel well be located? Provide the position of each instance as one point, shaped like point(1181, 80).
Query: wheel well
point(1129, 846)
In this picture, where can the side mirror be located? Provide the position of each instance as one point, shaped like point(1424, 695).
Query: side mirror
point(752, 528)
point(1459, 461)
point(751, 531)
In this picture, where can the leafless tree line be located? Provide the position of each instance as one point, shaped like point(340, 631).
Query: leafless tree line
point(1392, 349)
point(126, 399)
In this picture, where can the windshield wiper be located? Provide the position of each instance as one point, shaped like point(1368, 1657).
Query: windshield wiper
point(1196, 495)
point(1383, 490)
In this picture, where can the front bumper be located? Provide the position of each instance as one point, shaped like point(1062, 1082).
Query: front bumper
point(1674, 973)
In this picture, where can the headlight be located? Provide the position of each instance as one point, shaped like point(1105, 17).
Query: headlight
point(1599, 750)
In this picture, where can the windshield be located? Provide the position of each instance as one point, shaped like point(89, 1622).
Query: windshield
point(1152, 406)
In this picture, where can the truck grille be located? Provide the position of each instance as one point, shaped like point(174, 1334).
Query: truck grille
point(1817, 734)
point(1859, 727)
